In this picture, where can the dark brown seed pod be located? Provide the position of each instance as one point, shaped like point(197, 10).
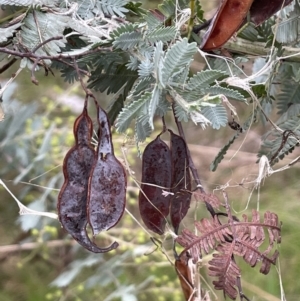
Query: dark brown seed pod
point(156, 177)
point(72, 199)
point(181, 181)
point(107, 182)
point(262, 10)
point(227, 20)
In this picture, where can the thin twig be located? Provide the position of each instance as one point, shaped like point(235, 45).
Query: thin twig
point(45, 42)
point(33, 78)
point(85, 72)
point(86, 90)
point(7, 65)
point(164, 124)
point(14, 75)
point(33, 245)
point(199, 27)
point(53, 57)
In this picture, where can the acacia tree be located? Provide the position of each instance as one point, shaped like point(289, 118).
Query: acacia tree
point(142, 59)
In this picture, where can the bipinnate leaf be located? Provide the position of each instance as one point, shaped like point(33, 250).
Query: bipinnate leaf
point(229, 93)
point(51, 25)
point(276, 145)
point(128, 40)
point(240, 238)
point(222, 153)
point(155, 95)
point(178, 57)
point(209, 198)
point(168, 7)
point(113, 7)
point(28, 2)
point(204, 79)
point(8, 32)
point(226, 270)
point(131, 111)
point(216, 115)
point(164, 34)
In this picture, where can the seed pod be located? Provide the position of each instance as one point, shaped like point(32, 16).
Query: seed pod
point(227, 20)
point(72, 198)
point(185, 276)
point(181, 181)
point(262, 10)
point(107, 182)
point(156, 177)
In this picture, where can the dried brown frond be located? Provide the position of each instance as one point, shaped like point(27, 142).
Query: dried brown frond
point(209, 198)
point(212, 232)
point(227, 271)
point(241, 238)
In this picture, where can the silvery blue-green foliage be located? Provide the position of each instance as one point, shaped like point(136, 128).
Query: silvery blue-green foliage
point(8, 32)
point(142, 128)
point(127, 37)
point(162, 34)
point(177, 58)
point(132, 110)
point(105, 272)
point(169, 7)
point(217, 115)
point(112, 7)
point(287, 31)
point(48, 3)
point(51, 25)
point(229, 93)
point(276, 145)
point(146, 62)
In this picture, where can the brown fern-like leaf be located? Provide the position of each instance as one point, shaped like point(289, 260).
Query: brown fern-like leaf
point(248, 249)
point(250, 235)
point(242, 238)
point(209, 198)
point(211, 231)
point(271, 219)
point(266, 263)
point(225, 269)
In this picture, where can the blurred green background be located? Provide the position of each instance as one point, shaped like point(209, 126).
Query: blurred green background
point(34, 138)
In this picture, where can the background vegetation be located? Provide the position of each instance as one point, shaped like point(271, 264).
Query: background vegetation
point(38, 261)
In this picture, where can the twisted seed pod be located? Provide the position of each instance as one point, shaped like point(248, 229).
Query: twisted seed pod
point(156, 170)
point(72, 198)
point(227, 20)
point(107, 182)
point(181, 181)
